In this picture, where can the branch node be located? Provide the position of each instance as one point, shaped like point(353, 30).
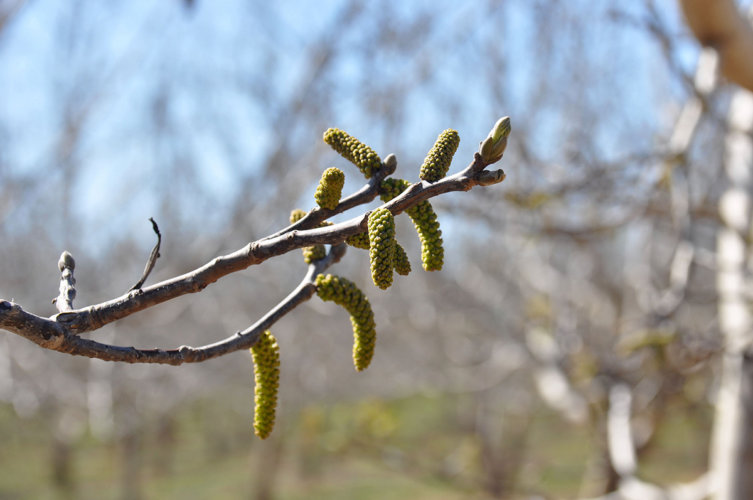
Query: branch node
point(338, 252)
point(184, 351)
point(478, 163)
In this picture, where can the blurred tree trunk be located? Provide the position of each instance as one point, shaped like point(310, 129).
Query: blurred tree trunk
point(62, 451)
point(504, 441)
point(166, 441)
point(732, 441)
point(132, 488)
point(268, 454)
point(62, 467)
point(721, 25)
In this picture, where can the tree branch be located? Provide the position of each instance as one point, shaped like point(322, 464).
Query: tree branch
point(73, 344)
point(60, 332)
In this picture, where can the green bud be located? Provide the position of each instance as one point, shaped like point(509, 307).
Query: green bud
point(493, 147)
point(437, 162)
point(501, 129)
point(346, 294)
point(266, 356)
point(330, 188)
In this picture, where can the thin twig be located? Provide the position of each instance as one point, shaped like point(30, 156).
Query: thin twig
point(366, 194)
point(152, 258)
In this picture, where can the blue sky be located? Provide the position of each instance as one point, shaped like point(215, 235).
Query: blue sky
point(121, 60)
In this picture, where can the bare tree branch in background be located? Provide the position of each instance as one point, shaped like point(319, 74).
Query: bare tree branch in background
point(722, 26)
point(8, 12)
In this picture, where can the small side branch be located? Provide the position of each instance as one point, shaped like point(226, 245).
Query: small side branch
point(366, 194)
point(72, 344)
point(152, 258)
point(64, 300)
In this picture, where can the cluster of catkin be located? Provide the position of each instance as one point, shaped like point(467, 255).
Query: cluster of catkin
point(386, 255)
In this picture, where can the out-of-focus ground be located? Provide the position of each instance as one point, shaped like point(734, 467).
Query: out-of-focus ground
point(414, 447)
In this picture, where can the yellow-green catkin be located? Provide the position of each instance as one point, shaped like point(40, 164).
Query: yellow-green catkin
point(312, 253)
point(360, 240)
point(353, 150)
point(345, 293)
point(437, 162)
point(330, 188)
point(424, 219)
point(296, 215)
point(382, 246)
point(402, 264)
point(401, 261)
point(266, 356)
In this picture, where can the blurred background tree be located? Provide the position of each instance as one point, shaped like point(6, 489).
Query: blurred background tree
point(570, 348)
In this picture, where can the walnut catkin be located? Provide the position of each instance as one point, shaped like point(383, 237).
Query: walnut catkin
point(312, 253)
point(437, 162)
point(382, 247)
point(330, 188)
point(345, 293)
point(353, 150)
point(424, 219)
point(266, 356)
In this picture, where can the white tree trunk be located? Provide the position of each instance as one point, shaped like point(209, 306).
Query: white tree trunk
point(732, 439)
